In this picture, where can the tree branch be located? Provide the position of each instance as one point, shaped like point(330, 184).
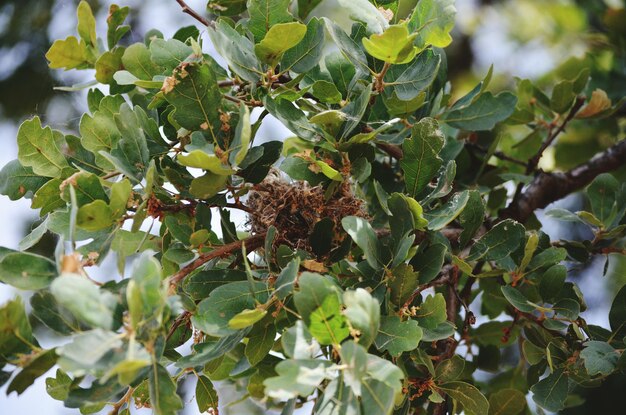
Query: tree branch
point(191, 12)
point(251, 243)
point(550, 187)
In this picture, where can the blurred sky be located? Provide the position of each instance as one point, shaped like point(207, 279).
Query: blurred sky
point(490, 44)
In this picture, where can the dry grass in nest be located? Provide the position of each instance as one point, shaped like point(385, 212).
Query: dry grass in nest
point(294, 209)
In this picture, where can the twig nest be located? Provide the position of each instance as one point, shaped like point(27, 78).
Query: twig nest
point(294, 208)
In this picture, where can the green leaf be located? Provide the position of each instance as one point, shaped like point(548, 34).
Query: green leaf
point(237, 50)
point(394, 45)
point(94, 216)
point(600, 358)
point(17, 181)
point(26, 271)
point(602, 194)
point(432, 312)
point(421, 159)
point(138, 61)
point(433, 20)
point(193, 91)
point(450, 369)
point(550, 393)
point(292, 117)
point(441, 216)
point(38, 148)
point(305, 55)
point(163, 397)
point(517, 299)
point(84, 300)
point(364, 236)
point(404, 281)
point(408, 81)
point(429, 262)
point(562, 96)
point(327, 323)
point(169, 53)
point(67, 54)
point(214, 312)
point(206, 396)
point(47, 310)
point(59, 386)
point(483, 113)
point(474, 402)
point(37, 366)
point(379, 395)
point(297, 378)
point(397, 336)
point(86, 24)
point(286, 279)
point(349, 48)
point(617, 314)
point(259, 160)
point(259, 344)
point(279, 38)
point(16, 335)
point(472, 217)
point(115, 29)
point(551, 282)
point(499, 242)
point(266, 13)
point(507, 402)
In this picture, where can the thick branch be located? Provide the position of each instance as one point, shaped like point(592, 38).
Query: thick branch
point(191, 12)
point(550, 187)
point(251, 243)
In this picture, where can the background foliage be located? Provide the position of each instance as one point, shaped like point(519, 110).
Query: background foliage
point(414, 275)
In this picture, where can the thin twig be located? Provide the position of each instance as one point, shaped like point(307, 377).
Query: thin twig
point(118, 405)
point(191, 12)
point(534, 161)
point(252, 243)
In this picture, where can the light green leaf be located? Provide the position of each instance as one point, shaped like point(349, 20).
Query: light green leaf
point(86, 24)
point(327, 324)
point(209, 185)
point(394, 45)
point(202, 160)
point(17, 181)
point(365, 12)
point(246, 318)
point(86, 349)
point(67, 54)
point(38, 148)
point(243, 132)
point(138, 61)
point(378, 395)
point(298, 343)
point(279, 38)
point(169, 53)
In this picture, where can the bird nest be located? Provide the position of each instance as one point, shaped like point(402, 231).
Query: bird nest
point(294, 208)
